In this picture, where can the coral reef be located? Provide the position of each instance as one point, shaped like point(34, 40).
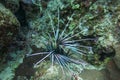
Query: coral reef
point(93, 18)
point(36, 26)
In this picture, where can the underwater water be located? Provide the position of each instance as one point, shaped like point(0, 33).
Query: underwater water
point(59, 40)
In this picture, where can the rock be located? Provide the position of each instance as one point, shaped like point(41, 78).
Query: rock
point(8, 26)
point(117, 56)
point(111, 72)
point(112, 69)
point(94, 75)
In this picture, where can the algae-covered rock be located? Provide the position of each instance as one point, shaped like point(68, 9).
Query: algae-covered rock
point(7, 71)
point(45, 71)
point(8, 26)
